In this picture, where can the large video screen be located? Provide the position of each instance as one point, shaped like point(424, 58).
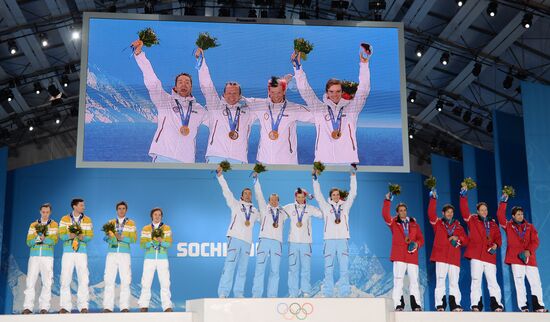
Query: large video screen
point(162, 92)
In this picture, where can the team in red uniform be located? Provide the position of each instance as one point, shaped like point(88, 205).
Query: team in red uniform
point(449, 238)
point(407, 238)
point(485, 238)
point(522, 243)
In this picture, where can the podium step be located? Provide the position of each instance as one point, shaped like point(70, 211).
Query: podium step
point(101, 317)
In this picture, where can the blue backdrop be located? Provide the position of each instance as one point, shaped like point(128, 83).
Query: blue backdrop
point(196, 210)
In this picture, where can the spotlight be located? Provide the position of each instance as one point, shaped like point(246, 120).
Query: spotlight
point(12, 47)
point(419, 51)
point(444, 59)
point(412, 96)
point(467, 116)
point(37, 88)
point(75, 34)
point(527, 20)
point(57, 118)
point(412, 132)
point(439, 105)
point(492, 8)
point(43, 39)
point(460, 3)
point(476, 70)
point(508, 81)
point(30, 124)
point(6, 94)
point(477, 121)
point(54, 92)
point(65, 80)
point(377, 5)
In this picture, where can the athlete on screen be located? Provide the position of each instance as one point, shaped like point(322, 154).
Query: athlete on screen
point(335, 117)
point(179, 114)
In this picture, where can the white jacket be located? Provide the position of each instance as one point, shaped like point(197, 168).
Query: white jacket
point(237, 227)
point(328, 149)
point(168, 141)
point(331, 229)
point(266, 218)
point(283, 150)
point(219, 142)
point(301, 234)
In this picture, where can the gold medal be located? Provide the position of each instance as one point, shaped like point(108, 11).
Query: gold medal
point(337, 221)
point(233, 135)
point(275, 225)
point(336, 134)
point(274, 135)
point(247, 223)
point(407, 240)
point(184, 130)
point(299, 224)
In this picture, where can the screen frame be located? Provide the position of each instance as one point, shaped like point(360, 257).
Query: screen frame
point(80, 163)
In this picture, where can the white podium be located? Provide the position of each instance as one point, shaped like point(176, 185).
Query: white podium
point(291, 309)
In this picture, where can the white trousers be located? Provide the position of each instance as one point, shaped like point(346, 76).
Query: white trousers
point(477, 269)
point(70, 262)
point(441, 272)
point(42, 265)
point(532, 274)
point(162, 268)
point(117, 262)
point(399, 270)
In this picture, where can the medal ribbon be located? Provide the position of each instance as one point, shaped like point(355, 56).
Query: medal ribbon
point(120, 227)
point(275, 124)
point(487, 225)
point(405, 225)
point(273, 216)
point(233, 122)
point(300, 215)
point(337, 214)
point(521, 234)
point(335, 123)
point(450, 229)
point(247, 214)
point(187, 116)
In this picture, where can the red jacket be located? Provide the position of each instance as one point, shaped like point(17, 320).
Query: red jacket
point(399, 248)
point(516, 244)
point(479, 242)
point(443, 251)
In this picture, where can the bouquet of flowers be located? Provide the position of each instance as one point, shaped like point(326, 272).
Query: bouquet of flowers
point(75, 229)
point(303, 47)
point(509, 190)
point(344, 194)
point(225, 165)
point(205, 41)
point(470, 183)
point(348, 89)
point(259, 168)
point(430, 182)
point(109, 228)
point(41, 230)
point(148, 36)
point(157, 233)
point(394, 189)
point(319, 166)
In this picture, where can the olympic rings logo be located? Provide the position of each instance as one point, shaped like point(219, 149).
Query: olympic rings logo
point(295, 310)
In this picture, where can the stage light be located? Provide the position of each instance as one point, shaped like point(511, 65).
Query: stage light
point(444, 59)
point(30, 124)
point(467, 116)
point(508, 81)
point(492, 8)
point(477, 121)
point(412, 132)
point(439, 105)
point(65, 80)
point(75, 34)
point(527, 20)
point(12, 47)
point(419, 51)
point(412, 96)
point(37, 88)
point(43, 39)
point(457, 111)
point(460, 3)
point(476, 70)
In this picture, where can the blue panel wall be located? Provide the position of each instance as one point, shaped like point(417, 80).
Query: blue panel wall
point(3, 167)
point(536, 118)
point(510, 169)
point(196, 210)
